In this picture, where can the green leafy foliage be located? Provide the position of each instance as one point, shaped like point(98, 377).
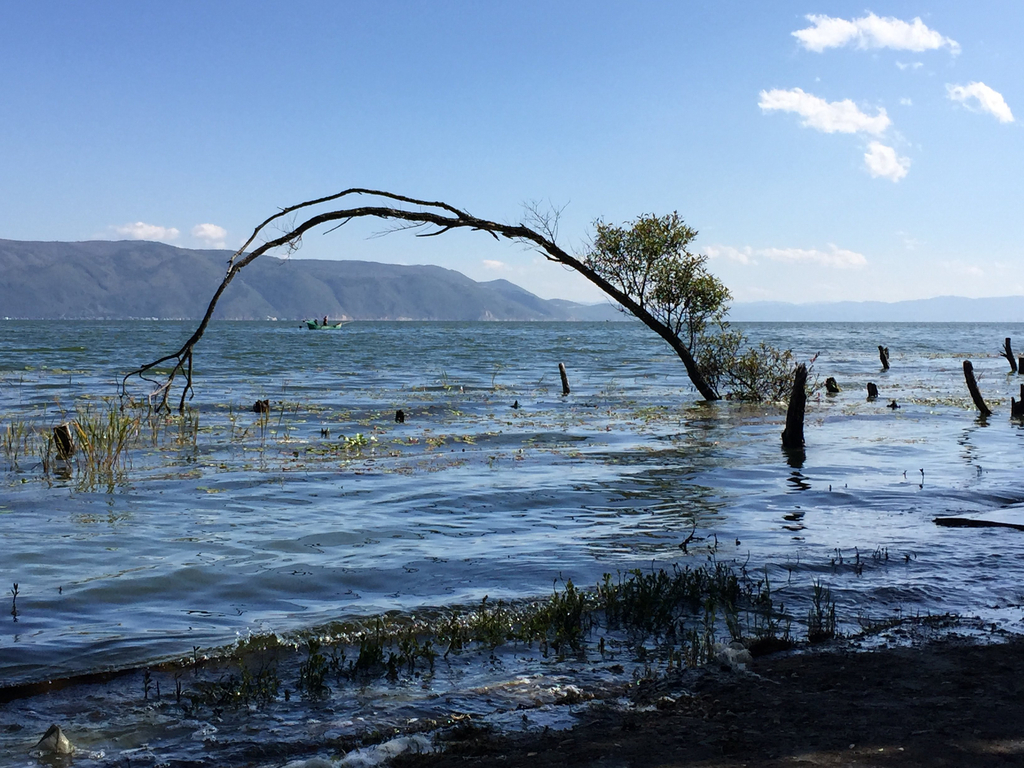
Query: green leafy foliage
point(649, 260)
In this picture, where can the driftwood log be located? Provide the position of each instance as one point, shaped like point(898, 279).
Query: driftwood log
point(972, 385)
point(793, 434)
point(565, 379)
point(1008, 354)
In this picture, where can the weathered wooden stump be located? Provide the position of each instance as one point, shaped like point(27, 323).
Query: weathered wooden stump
point(793, 434)
point(1008, 354)
point(872, 390)
point(63, 441)
point(972, 385)
point(261, 406)
point(1020, 365)
point(399, 416)
point(883, 355)
point(1017, 406)
point(831, 386)
point(565, 379)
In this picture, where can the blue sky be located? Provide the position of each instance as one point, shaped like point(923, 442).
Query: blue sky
point(824, 150)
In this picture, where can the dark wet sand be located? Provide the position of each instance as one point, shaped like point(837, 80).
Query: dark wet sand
point(946, 703)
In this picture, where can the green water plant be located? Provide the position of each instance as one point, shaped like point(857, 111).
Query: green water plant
point(313, 671)
point(16, 441)
point(821, 617)
point(103, 436)
point(661, 618)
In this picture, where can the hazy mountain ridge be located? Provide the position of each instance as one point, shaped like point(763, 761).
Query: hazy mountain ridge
point(140, 279)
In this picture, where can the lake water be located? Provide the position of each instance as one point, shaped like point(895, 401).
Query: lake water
point(329, 510)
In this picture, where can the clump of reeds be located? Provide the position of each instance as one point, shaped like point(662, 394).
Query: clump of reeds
point(103, 436)
point(821, 617)
point(15, 441)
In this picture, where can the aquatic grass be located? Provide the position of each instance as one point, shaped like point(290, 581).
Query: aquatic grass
point(313, 672)
point(821, 617)
point(103, 436)
point(663, 616)
point(16, 441)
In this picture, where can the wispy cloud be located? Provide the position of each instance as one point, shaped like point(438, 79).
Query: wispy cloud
point(835, 257)
point(497, 266)
point(142, 231)
point(883, 162)
point(872, 31)
point(214, 236)
point(826, 116)
point(978, 97)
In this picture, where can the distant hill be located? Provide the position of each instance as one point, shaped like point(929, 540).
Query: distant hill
point(138, 279)
point(942, 309)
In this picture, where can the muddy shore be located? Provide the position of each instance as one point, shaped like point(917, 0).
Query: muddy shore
point(949, 702)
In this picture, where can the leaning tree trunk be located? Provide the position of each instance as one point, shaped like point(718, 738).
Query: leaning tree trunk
point(429, 214)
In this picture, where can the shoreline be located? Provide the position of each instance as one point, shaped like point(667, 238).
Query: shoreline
point(947, 702)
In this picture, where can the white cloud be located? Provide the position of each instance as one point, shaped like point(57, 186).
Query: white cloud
point(913, 65)
point(872, 31)
point(836, 257)
point(882, 161)
point(497, 266)
point(978, 97)
point(742, 256)
point(142, 231)
point(829, 117)
point(906, 102)
point(214, 236)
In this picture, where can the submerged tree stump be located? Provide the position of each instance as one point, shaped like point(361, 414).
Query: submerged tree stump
point(793, 434)
point(972, 385)
point(1017, 406)
point(1020, 365)
point(65, 445)
point(883, 355)
point(872, 390)
point(1008, 354)
point(831, 386)
point(565, 379)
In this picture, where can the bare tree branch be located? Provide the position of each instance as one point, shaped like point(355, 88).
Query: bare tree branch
point(424, 213)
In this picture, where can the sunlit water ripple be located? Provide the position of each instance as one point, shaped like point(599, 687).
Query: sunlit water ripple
point(277, 528)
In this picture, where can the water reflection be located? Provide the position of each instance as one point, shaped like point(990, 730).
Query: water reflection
point(795, 457)
point(798, 481)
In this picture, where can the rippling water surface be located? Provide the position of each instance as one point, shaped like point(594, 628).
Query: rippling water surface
point(329, 510)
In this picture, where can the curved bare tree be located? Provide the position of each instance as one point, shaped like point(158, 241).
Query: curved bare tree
point(406, 213)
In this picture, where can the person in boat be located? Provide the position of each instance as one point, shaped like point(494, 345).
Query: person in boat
point(325, 320)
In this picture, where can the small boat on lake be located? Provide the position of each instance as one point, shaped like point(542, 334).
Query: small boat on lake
point(317, 325)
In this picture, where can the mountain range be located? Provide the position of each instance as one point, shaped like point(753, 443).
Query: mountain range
point(105, 279)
